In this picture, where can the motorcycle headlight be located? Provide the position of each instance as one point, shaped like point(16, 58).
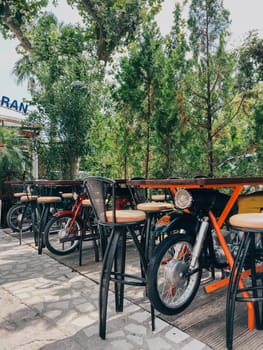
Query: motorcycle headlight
point(183, 199)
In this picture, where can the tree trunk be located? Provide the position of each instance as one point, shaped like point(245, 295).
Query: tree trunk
point(73, 168)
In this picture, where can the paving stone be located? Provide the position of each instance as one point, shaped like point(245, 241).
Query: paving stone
point(194, 345)
point(46, 305)
point(140, 316)
point(158, 343)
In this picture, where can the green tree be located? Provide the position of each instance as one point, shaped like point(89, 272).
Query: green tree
point(108, 22)
point(17, 17)
point(250, 77)
point(258, 115)
point(214, 102)
point(66, 77)
point(250, 61)
point(138, 79)
point(47, 50)
point(170, 113)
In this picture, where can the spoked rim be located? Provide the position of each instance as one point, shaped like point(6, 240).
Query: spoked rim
point(58, 238)
point(174, 283)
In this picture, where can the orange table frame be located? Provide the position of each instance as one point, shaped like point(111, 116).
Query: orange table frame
point(236, 184)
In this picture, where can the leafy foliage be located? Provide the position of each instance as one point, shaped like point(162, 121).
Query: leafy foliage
point(176, 106)
point(13, 158)
point(17, 16)
point(250, 61)
point(138, 81)
point(65, 78)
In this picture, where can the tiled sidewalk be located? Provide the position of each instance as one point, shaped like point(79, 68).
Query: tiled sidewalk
point(46, 305)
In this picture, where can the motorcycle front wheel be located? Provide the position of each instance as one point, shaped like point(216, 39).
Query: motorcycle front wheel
point(170, 286)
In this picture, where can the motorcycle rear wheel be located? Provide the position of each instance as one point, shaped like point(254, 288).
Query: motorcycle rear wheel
point(57, 237)
point(14, 217)
point(169, 286)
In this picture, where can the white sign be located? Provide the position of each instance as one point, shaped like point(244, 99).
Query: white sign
point(14, 105)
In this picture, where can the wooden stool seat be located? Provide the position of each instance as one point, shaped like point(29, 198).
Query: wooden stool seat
point(154, 206)
point(126, 216)
point(86, 203)
point(48, 199)
point(67, 195)
point(28, 198)
point(158, 197)
point(247, 221)
point(19, 194)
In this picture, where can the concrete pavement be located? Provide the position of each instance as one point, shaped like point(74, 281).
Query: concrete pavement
point(47, 305)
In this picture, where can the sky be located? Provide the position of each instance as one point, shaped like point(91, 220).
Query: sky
point(246, 15)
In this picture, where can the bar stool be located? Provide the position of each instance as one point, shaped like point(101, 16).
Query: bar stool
point(118, 223)
point(250, 226)
point(45, 203)
point(153, 211)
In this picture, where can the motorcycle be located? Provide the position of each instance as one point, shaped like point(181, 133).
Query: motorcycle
point(188, 245)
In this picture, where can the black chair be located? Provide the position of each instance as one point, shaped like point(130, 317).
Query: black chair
point(116, 224)
point(249, 255)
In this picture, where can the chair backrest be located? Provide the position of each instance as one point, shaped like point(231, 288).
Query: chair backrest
point(139, 195)
point(101, 192)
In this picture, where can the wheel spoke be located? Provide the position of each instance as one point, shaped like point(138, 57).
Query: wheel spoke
point(61, 236)
point(170, 287)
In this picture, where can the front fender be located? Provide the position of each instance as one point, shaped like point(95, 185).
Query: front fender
point(176, 220)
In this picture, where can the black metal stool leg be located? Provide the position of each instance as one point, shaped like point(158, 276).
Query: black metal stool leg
point(42, 223)
point(80, 246)
point(119, 271)
point(105, 280)
point(21, 219)
point(103, 240)
point(254, 278)
point(96, 250)
point(144, 270)
point(233, 287)
point(35, 220)
point(148, 234)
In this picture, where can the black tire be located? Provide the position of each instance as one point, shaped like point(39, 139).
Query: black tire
point(14, 216)
point(169, 289)
point(57, 240)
